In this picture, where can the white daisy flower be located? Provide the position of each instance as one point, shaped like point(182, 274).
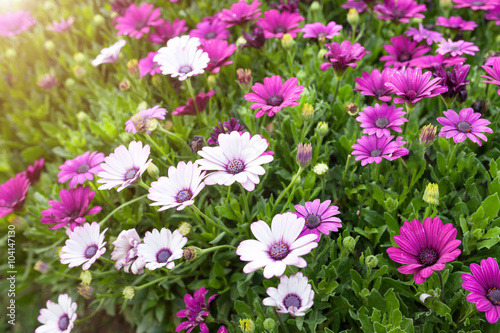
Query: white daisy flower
point(126, 254)
point(178, 189)
point(84, 246)
point(124, 166)
point(161, 248)
point(237, 158)
point(109, 54)
point(294, 295)
point(276, 247)
point(57, 317)
point(182, 58)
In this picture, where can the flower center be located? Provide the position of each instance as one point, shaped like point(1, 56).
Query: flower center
point(275, 100)
point(279, 251)
point(411, 94)
point(279, 29)
point(163, 255)
point(130, 174)
point(90, 251)
point(382, 122)
point(428, 257)
point(83, 168)
point(184, 195)
point(185, 69)
point(477, 3)
point(235, 166)
point(404, 56)
point(379, 92)
point(494, 295)
point(464, 127)
point(292, 300)
point(376, 153)
point(312, 221)
point(63, 322)
point(210, 35)
point(455, 48)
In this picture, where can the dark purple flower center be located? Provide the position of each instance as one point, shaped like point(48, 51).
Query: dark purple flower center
point(376, 153)
point(292, 300)
point(83, 168)
point(464, 127)
point(130, 174)
point(494, 295)
point(279, 29)
point(312, 221)
point(90, 251)
point(477, 3)
point(382, 122)
point(379, 92)
point(63, 322)
point(404, 56)
point(163, 255)
point(455, 48)
point(279, 251)
point(428, 257)
point(398, 13)
point(275, 100)
point(411, 94)
point(140, 25)
point(185, 69)
point(184, 195)
point(235, 166)
point(210, 35)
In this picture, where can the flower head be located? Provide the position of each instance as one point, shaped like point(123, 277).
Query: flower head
point(126, 254)
point(304, 154)
point(137, 21)
point(196, 311)
point(225, 127)
point(476, 4)
point(13, 193)
point(421, 33)
point(291, 6)
point(47, 81)
point(276, 24)
point(424, 247)
point(456, 48)
point(436, 61)
point(12, 24)
point(219, 52)
point(256, 39)
point(34, 171)
point(148, 66)
point(84, 246)
point(62, 26)
point(371, 149)
point(319, 218)
point(373, 84)
point(321, 32)
point(110, 54)
point(427, 135)
point(493, 72)
point(456, 23)
point(161, 248)
point(276, 247)
point(120, 6)
point(240, 13)
point(210, 29)
point(58, 317)
point(493, 14)
point(380, 119)
point(342, 56)
point(400, 10)
point(167, 30)
point(402, 52)
point(190, 109)
point(81, 168)
point(431, 194)
point(140, 121)
point(359, 5)
point(455, 80)
point(466, 124)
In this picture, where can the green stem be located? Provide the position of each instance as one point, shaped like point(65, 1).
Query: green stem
point(120, 207)
point(92, 314)
point(152, 282)
point(339, 78)
point(193, 96)
point(466, 316)
point(212, 222)
point(178, 138)
point(107, 260)
point(228, 194)
point(441, 285)
point(283, 326)
point(245, 202)
point(287, 189)
point(143, 185)
point(157, 147)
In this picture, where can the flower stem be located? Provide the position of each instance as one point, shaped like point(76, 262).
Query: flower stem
point(466, 316)
point(245, 202)
point(178, 138)
point(283, 326)
point(441, 285)
point(287, 189)
point(157, 147)
point(339, 78)
point(193, 96)
point(212, 222)
point(120, 207)
point(92, 314)
point(107, 260)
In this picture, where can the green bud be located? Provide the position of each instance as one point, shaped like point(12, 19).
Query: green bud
point(78, 71)
point(322, 53)
point(153, 170)
point(69, 83)
point(80, 58)
point(371, 261)
point(269, 324)
point(446, 4)
point(322, 128)
point(307, 111)
point(11, 54)
point(353, 18)
point(244, 79)
point(315, 6)
point(156, 80)
point(211, 81)
point(98, 19)
point(287, 41)
point(320, 169)
point(128, 293)
point(184, 228)
point(49, 46)
point(86, 291)
point(82, 116)
point(431, 194)
point(247, 325)
point(86, 277)
point(124, 85)
point(349, 243)
point(240, 41)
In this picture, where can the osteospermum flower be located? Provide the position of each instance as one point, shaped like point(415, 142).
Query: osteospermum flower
point(120, 6)
point(291, 6)
point(359, 5)
point(13, 193)
point(255, 39)
point(436, 61)
point(47, 81)
point(484, 285)
point(274, 95)
point(210, 29)
point(140, 121)
point(148, 66)
point(456, 23)
point(373, 84)
point(276, 24)
point(319, 218)
point(456, 48)
point(342, 56)
point(62, 26)
point(402, 52)
point(380, 119)
point(276, 247)
point(400, 10)
point(238, 158)
point(201, 101)
point(493, 14)
point(12, 24)
point(219, 52)
point(178, 190)
point(240, 13)
point(125, 253)
point(167, 30)
point(84, 246)
point(424, 247)
point(226, 127)
point(34, 171)
point(137, 21)
point(455, 80)
point(58, 317)
point(466, 124)
point(321, 32)
point(294, 295)
point(421, 34)
point(71, 210)
point(476, 4)
point(161, 248)
point(81, 168)
point(196, 312)
point(371, 149)
point(110, 54)
point(493, 72)
point(124, 166)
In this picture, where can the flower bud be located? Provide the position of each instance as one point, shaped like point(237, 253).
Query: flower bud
point(49, 46)
point(247, 325)
point(446, 5)
point(269, 324)
point(322, 128)
point(11, 54)
point(153, 170)
point(349, 243)
point(156, 80)
point(69, 83)
point(191, 253)
point(168, 125)
point(315, 6)
point(196, 143)
point(287, 42)
point(128, 293)
point(321, 53)
point(352, 109)
point(184, 228)
point(353, 18)
point(41, 266)
point(98, 19)
point(133, 68)
point(307, 111)
point(244, 79)
point(80, 58)
point(320, 169)
point(124, 85)
point(78, 71)
point(371, 261)
point(427, 135)
point(85, 291)
point(211, 81)
point(431, 194)
point(82, 116)
point(240, 41)
point(304, 154)
point(152, 124)
point(86, 277)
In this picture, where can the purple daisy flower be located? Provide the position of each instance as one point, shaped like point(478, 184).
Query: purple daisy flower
point(71, 210)
point(291, 6)
point(412, 85)
point(62, 26)
point(421, 33)
point(371, 149)
point(463, 125)
point(240, 13)
point(424, 247)
point(373, 84)
point(476, 4)
point(12, 24)
point(189, 109)
point(13, 193)
point(167, 30)
point(359, 5)
point(196, 311)
point(380, 119)
point(276, 24)
point(256, 39)
point(400, 10)
point(455, 80)
point(140, 121)
point(274, 95)
point(456, 23)
point(456, 48)
point(148, 66)
point(342, 56)
point(81, 168)
point(219, 52)
point(321, 32)
point(226, 127)
point(137, 21)
point(494, 73)
point(493, 14)
point(210, 29)
point(484, 285)
point(319, 218)
point(402, 52)
point(436, 61)
point(34, 171)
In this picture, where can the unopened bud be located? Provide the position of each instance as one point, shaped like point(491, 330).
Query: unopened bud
point(287, 42)
point(184, 228)
point(307, 112)
point(315, 6)
point(244, 79)
point(80, 58)
point(269, 324)
point(211, 81)
point(82, 116)
point(11, 54)
point(98, 19)
point(304, 154)
point(41, 266)
point(353, 18)
point(320, 169)
point(446, 5)
point(86, 291)
point(78, 71)
point(240, 41)
point(86, 277)
point(428, 135)
point(124, 85)
point(49, 46)
point(191, 253)
point(196, 143)
point(152, 124)
point(156, 80)
point(69, 83)
point(349, 244)
point(371, 261)
point(153, 170)
point(128, 293)
point(247, 325)
point(431, 194)
point(322, 53)
point(133, 68)
point(352, 109)
point(425, 296)
point(322, 128)
point(168, 125)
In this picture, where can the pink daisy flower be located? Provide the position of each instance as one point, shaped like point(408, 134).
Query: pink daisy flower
point(274, 95)
point(380, 119)
point(196, 312)
point(493, 72)
point(166, 31)
point(341, 56)
point(402, 52)
point(484, 285)
point(120, 6)
point(34, 171)
point(12, 24)
point(148, 66)
point(466, 124)
point(319, 218)
point(62, 26)
point(110, 54)
point(321, 32)
point(137, 21)
point(424, 247)
point(491, 61)
point(276, 24)
point(81, 168)
point(219, 52)
point(456, 23)
point(210, 29)
point(125, 253)
point(421, 34)
point(240, 13)
point(225, 127)
point(202, 100)
point(47, 81)
point(456, 48)
point(436, 61)
point(359, 5)
point(476, 4)
point(494, 14)
point(13, 193)
point(371, 149)
point(140, 121)
point(373, 84)
point(400, 10)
